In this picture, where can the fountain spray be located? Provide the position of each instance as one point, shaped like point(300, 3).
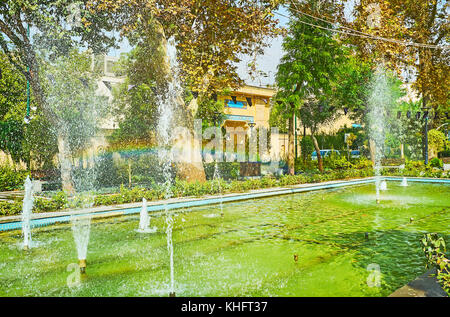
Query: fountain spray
point(217, 178)
point(27, 209)
point(81, 228)
point(144, 220)
point(379, 99)
point(404, 182)
point(165, 126)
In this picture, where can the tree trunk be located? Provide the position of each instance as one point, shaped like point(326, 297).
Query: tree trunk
point(319, 156)
point(65, 165)
point(291, 149)
point(402, 150)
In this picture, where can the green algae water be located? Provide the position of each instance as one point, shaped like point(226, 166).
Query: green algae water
point(307, 244)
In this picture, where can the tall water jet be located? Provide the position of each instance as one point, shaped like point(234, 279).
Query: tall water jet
point(217, 178)
point(144, 220)
point(81, 229)
point(166, 103)
point(404, 182)
point(380, 99)
point(27, 209)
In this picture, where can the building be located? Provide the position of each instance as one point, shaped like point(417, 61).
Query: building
point(250, 106)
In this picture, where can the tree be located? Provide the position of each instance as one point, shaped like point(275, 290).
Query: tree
point(210, 38)
point(71, 96)
point(52, 31)
point(307, 71)
point(437, 142)
point(423, 22)
point(314, 113)
point(35, 33)
point(12, 109)
point(28, 143)
point(135, 104)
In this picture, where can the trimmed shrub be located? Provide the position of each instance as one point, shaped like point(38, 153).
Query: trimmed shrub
point(11, 179)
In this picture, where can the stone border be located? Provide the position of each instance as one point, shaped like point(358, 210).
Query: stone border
point(425, 285)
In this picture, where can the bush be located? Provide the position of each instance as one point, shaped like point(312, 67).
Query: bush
point(436, 163)
point(9, 209)
point(227, 170)
point(11, 179)
point(434, 249)
point(336, 162)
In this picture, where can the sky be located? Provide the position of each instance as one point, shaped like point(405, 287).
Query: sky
point(269, 61)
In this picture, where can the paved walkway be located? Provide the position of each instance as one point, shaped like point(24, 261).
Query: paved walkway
point(425, 285)
point(11, 196)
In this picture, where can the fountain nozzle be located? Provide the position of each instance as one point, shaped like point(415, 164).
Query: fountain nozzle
point(172, 294)
point(82, 265)
point(378, 201)
point(296, 257)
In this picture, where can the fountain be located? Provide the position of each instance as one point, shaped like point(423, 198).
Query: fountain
point(404, 182)
point(144, 221)
point(379, 99)
point(165, 126)
point(81, 228)
point(27, 209)
point(217, 177)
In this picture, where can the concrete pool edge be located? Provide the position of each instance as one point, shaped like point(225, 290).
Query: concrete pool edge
point(45, 219)
point(426, 285)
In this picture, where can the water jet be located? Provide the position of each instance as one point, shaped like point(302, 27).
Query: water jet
point(27, 209)
point(404, 182)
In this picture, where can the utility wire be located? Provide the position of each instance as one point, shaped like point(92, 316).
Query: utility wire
point(352, 32)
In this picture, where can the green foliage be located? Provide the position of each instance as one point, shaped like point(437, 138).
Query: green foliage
point(71, 94)
point(227, 170)
point(135, 103)
point(34, 141)
point(56, 202)
point(437, 141)
point(337, 162)
point(10, 209)
point(436, 163)
point(434, 249)
point(11, 179)
point(307, 147)
point(210, 111)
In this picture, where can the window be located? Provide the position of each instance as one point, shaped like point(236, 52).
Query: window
point(239, 104)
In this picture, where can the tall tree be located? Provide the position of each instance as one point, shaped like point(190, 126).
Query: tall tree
point(34, 33)
point(314, 114)
point(56, 26)
point(71, 95)
point(210, 37)
point(27, 143)
point(308, 70)
point(422, 22)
